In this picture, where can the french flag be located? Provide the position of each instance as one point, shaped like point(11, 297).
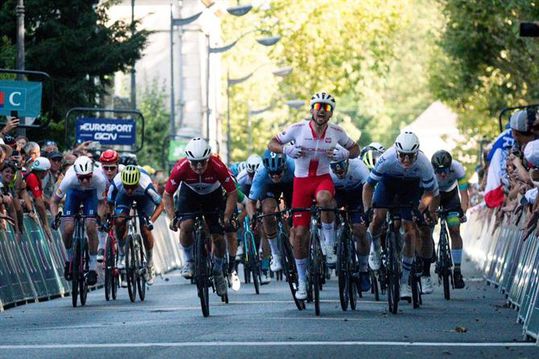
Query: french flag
point(494, 194)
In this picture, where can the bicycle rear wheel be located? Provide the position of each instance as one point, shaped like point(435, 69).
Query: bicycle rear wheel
point(141, 269)
point(289, 269)
point(75, 266)
point(416, 290)
point(445, 280)
point(202, 272)
point(109, 268)
point(375, 288)
point(131, 268)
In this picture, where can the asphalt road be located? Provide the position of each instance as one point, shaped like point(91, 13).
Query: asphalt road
point(169, 324)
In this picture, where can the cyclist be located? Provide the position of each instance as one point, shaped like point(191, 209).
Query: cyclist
point(237, 167)
point(452, 181)
point(314, 147)
point(402, 174)
point(200, 177)
point(245, 177)
point(128, 186)
point(371, 153)
point(81, 185)
point(273, 179)
point(349, 177)
point(109, 161)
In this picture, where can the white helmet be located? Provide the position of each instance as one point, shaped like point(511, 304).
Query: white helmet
point(83, 166)
point(41, 164)
point(241, 166)
point(197, 149)
point(377, 146)
point(407, 142)
point(253, 161)
point(323, 97)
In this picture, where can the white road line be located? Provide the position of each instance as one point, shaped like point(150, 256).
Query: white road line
point(263, 344)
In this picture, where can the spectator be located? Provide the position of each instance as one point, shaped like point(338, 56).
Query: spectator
point(31, 152)
point(21, 142)
point(11, 124)
point(49, 182)
point(50, 146)
point(12, 204)
point(38, 171)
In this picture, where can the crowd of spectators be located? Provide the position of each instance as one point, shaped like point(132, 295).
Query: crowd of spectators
point(30, 173)
point(514, 170)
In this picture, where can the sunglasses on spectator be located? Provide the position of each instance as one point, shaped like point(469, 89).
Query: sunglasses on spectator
point(198, 163)
point(326, 106)
point(110, 168)
point(411, 156)
point(86, 177)
point(50, 143)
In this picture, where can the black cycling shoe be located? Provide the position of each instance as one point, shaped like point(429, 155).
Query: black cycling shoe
point(91, 277)
point(458, 281)
point(67, 271)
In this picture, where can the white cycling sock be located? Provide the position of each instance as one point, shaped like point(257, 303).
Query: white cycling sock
point(187, 253)
point(328, 229)
point(457, 256)
point(363, 263)
point(93, 262)
point(407, 263)
point(301, 265)
point(102, 238)
point(374, 240)
point(149, 257)
point(274, 245)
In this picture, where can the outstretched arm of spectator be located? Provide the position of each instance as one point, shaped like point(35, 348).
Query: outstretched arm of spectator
point(10, 125)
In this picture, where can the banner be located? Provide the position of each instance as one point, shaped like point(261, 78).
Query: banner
point(176, 149)
point(106, 131)
point(24, 97)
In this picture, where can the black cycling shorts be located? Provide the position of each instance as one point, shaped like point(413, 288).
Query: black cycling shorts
point(188, 201)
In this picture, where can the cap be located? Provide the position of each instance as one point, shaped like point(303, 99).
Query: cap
point(522, 120)
point(531, 153)
point(55, 154)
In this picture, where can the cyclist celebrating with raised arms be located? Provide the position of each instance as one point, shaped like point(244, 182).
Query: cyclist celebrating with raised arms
point(200, 178)
point(402, 174)
point(314, 146)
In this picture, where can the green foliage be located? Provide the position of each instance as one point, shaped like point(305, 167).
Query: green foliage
point(152, 105)
point(75, 44)
point(372, 55)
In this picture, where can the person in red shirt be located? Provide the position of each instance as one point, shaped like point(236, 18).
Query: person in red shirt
point(38, 170)
point(201, 178)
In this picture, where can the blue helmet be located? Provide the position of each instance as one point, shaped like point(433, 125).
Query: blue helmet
point(274, 162)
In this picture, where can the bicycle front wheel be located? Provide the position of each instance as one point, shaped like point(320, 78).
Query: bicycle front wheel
point(83, 286)
point(141, 269)
point(315, 272)
point(75, 270)
point(109, 268)
point(289, 269)
point(202, 272)
point(342, 274)
point(131, 268)
point(393, 275)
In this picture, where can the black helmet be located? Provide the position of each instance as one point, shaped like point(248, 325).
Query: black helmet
point(441, 159)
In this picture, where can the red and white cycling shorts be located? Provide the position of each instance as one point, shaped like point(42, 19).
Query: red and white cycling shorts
point(305, 190)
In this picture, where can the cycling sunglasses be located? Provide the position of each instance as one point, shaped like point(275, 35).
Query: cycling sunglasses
point(441, 170)
point(411, 156)
point(110, 168)
point(197, 163)
point(86, 177)
point(130, 186)
point(275, 173)
point(326, 106)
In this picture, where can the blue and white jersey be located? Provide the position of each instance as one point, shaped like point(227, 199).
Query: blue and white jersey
point(71, 182)
point(455, 177)
point(262, 180)
point(244, 181)
point(145, 188)
point(389, 166)
point(355, 177)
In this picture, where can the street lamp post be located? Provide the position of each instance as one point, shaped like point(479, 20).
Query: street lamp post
point(133, 70)
point(19, 10)
point(281, 72)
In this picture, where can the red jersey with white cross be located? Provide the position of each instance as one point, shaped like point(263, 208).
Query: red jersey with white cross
point(315, 161)
point(215, 176)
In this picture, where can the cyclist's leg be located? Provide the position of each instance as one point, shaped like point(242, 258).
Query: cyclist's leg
point(324, 193)
point(451, 202)
point(383, 196)
point(299, 235)
point(90, 204)
point(71, 206)
point(145, 207)
point(209, 204)
point(187, 201)
point(426, 252)
point(269, 205)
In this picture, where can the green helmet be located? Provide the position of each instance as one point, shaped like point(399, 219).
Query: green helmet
point(130, 175)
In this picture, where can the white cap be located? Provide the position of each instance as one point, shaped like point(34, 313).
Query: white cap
point(531, 153)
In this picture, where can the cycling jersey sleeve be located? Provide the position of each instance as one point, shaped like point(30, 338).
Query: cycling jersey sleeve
point(289, 134)
point(65, 184)
point(343, 138)
point(257, 188)
point(174, 180)
point(101, 187)
point(460, 173)
point(223, 175)
point(113, 189)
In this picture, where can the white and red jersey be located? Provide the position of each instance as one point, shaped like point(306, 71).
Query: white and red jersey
point(315, 161)
point(216, 175)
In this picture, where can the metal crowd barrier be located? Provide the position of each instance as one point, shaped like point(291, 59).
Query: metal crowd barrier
point(32, 267)
point(508, 262)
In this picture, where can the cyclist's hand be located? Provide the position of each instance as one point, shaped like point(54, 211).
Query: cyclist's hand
point(149, 224)
point(427, 217)
point(463, 218)
point(173, 225)
point(54, 224)
point(366, 217)
point(253, 223)
point(293, 151)
point(340, 153)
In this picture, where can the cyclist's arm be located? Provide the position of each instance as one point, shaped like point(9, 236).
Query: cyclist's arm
point(157, 212)
point(368, 191)
point(428, 201)
point(275, 146)
point(41, 210)
point(354, 151)
point(250, 207)
point(464, 195)
point(168, 201)
point(231, 199)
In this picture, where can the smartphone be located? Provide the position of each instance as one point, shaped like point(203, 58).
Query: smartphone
point(14, 113)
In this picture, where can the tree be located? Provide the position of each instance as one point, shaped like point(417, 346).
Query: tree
point(152, 105)
point(75, 44)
